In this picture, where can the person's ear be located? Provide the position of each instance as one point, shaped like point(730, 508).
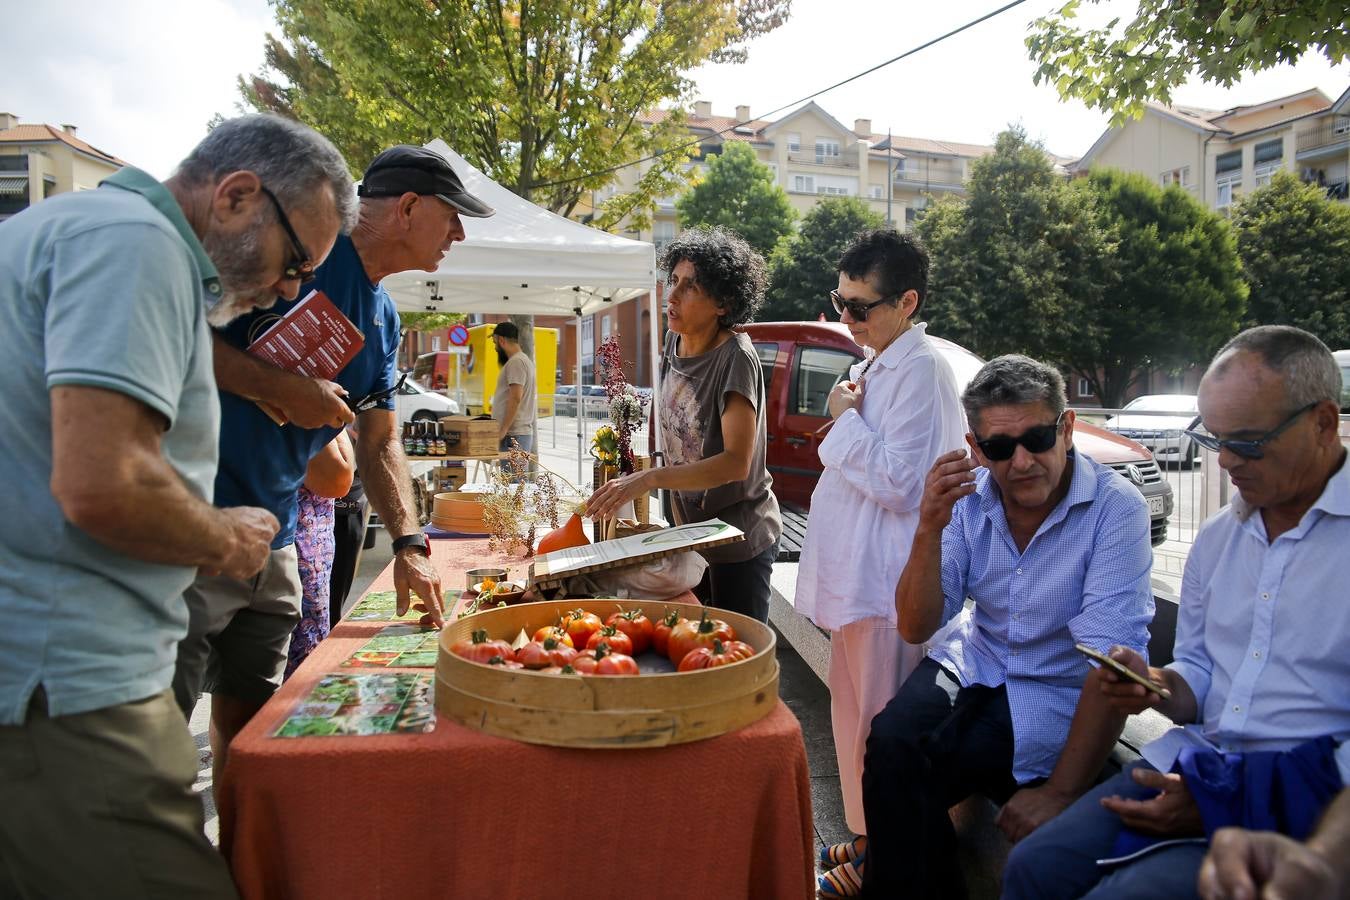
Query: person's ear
point(403, 209)
point(975, 453)
point(909, 303)
point(1069, 419)
point(235, 198)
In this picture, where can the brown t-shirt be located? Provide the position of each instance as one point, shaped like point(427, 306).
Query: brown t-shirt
point(693, 396)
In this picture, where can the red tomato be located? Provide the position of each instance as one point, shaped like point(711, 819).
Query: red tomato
point(661, 631)
point(616, 664)
point(617, 640)
point(545, 653)
point(479, 649)
point(637, 626)
point(718, 654)
point(581, 625)
point(557, 632)
point(585, 662)
point(504, 663)
point(688, 635)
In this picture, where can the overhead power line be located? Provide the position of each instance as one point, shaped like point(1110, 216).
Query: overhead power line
point(825, 90)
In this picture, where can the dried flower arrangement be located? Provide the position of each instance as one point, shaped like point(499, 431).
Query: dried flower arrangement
point(627, 409)
point(513, 504)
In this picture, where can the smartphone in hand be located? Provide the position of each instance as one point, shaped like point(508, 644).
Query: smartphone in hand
point(1123, 670)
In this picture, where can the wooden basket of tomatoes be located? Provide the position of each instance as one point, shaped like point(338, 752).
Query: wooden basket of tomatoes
point(606, 673)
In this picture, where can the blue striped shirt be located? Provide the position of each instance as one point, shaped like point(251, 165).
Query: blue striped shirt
point(1083, 578)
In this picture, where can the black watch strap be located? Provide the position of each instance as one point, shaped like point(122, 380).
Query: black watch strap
point(418, 540)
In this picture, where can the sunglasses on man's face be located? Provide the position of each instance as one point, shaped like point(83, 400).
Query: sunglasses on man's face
point(300, 268)
point(858, 311)
point(1252, 449)
point(1037, 439)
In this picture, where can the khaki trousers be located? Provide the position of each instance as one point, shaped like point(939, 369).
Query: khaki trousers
point(100, 804)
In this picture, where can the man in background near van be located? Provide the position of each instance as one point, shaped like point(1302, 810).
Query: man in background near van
point(108, 447)
point(513, 400)
point(411, 201)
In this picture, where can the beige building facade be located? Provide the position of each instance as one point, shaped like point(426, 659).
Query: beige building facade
point(814, 155)
point(37, 161)
point(1218, 155)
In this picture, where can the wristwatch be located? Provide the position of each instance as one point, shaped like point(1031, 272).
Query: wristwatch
point(418, 540)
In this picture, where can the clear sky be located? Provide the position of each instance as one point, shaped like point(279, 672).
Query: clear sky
point(142, 82)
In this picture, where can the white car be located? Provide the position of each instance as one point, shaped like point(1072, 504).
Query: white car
point(415, 403)
point(1163, 434)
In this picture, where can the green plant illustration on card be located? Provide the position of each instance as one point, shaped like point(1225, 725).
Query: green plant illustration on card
point(366, 703)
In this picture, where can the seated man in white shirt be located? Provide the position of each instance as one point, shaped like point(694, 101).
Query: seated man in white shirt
point(1260, 665)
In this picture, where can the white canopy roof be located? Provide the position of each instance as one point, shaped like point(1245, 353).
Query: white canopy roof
point(525, 260)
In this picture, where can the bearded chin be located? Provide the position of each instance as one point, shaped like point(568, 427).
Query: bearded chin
point(234, 304)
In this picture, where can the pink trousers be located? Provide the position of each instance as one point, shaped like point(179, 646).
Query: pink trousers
point(868, 663)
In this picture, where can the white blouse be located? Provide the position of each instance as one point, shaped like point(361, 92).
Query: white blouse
point(865, 508)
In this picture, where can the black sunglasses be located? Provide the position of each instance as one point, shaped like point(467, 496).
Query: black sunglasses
point(858, 311)
point(1037, 439)
point(1245, 449)
point(298, 269)
point(369, 400)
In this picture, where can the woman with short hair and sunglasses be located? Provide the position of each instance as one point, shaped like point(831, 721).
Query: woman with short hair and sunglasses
point(712, 416)
point(898, 410)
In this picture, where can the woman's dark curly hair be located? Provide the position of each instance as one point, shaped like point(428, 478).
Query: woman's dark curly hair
point(728, 269)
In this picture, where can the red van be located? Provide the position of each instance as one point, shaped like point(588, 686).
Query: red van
point(802, 361)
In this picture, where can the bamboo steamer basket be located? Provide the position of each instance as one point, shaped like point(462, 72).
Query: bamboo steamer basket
point(458, 511)
point(604, 711)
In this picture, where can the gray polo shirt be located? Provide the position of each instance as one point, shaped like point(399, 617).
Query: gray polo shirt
point(107, 289)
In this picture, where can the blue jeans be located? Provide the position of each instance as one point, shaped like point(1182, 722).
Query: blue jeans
point(1059, 859)
point(741, 587)
point(935, 744)
point(525, 442)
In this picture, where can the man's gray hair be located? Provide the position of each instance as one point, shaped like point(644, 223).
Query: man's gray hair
point(291, 159)
point(1302, 361)
point(1013, 380)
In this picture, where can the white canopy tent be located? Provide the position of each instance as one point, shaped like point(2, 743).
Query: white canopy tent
point(526, 260)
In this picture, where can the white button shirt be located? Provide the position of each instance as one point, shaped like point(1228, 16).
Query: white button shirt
point(865, 508)
point(1262, 631)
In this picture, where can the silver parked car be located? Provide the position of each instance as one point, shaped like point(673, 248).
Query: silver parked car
point(1163, 434)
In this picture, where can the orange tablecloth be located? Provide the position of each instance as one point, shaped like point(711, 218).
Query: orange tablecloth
point(458, 813)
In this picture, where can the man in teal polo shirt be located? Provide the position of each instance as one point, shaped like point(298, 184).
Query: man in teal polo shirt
point(108, 452)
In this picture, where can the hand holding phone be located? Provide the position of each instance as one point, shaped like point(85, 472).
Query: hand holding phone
point(1123, 670)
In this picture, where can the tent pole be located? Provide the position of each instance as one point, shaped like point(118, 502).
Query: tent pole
point(656, 440)
point(580, 394)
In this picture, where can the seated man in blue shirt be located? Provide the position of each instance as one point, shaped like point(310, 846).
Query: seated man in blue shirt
point(1053, 549)
point(1260, 666)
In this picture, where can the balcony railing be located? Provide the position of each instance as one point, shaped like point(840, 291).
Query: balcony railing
point(929, 175)
point(1328, 133)
point(846, 159)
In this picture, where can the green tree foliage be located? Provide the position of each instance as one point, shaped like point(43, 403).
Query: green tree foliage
point(1295, 248)
point(429, 321)
point(739, 193)
point(1106, 277)
point(544, 96)
point(1117, 69)
point(1174, 286)
point(802, 268)
point(1016, 264)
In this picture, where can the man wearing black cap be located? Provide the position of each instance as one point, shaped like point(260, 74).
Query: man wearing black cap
point(411, 204)
point(513, 400)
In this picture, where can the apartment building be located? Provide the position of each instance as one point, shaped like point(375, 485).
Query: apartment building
point(37, 161)
point(813, 155)
point(1219, 154)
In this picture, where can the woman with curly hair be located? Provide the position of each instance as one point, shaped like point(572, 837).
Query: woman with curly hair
point(712, 416)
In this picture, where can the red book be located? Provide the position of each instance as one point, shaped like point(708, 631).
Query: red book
point(313, 339)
